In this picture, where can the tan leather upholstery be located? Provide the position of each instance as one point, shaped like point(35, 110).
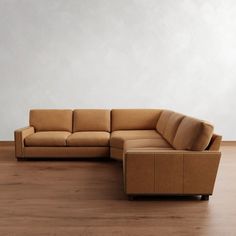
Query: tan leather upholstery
point(172, 126)
point(200, 169)
point(162, 121)
point(118, 137)
point(144, 139)
point(134, 119)
point(51, 120)
point(47, 139)
point(91, 120)
point(20, 135)
point(117, 153)
point(170, 172)
point(215, 142)
point(159, 143)
point(179, 131)
point(193, 134)
point(89, 139)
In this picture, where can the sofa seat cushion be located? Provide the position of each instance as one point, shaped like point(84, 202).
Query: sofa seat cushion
point(89, 139)
point(119, 137)
point(47, 139)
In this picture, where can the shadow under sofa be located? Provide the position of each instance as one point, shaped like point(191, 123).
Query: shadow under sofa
point(121, 133)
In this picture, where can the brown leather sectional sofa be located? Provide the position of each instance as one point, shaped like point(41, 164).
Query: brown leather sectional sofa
point(163, 152)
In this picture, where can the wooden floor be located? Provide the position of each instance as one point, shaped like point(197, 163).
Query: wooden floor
point(86, 198)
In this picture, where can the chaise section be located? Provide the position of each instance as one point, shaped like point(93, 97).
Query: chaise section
point(189, 168)
point(89, 139)
point(47, 139)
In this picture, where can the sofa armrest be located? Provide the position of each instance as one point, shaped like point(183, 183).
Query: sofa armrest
point(20, 135)
point(215, 142)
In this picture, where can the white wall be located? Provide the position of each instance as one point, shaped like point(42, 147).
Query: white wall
point(171, 54)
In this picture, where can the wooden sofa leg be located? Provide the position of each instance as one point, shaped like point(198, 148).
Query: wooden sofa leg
point(205, 197)
point(131, 197)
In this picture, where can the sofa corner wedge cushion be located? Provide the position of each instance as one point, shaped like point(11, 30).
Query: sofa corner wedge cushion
point(162, 121)
point(172, 125)
point(134, 119)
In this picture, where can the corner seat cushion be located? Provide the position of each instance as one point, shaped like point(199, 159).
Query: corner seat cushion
point(157, 143)
point(193, 134)
point(89, 139)
point(47, 139)
point(119, 137)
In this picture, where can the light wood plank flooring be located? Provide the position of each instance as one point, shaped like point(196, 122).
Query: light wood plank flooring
point(86, 198)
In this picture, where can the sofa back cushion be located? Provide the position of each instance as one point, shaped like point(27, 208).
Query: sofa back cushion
point(172, 126)
point(91, 120)
point(162, 121)
point(193, 134)
point(51, 120)
point(134, 119)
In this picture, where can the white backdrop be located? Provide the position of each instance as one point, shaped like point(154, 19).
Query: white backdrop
point(179, 55)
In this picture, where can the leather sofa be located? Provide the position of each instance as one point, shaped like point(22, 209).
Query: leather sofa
point(112, 133)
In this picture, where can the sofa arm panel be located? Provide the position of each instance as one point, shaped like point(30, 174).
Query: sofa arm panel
point(20, 135)
point(155, 171)
point(200, 171)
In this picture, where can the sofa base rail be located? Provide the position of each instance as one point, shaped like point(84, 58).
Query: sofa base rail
point(61, 159)
point(151, 172)
point(64, 152)
point(203, 197)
